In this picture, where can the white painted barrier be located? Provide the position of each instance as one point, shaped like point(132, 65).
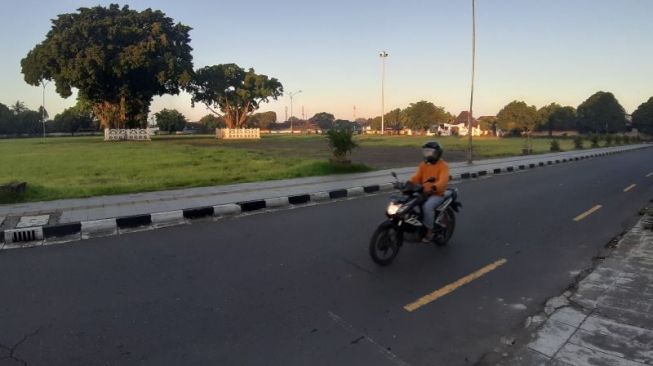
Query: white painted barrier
point(131, 134)
point(237, 133)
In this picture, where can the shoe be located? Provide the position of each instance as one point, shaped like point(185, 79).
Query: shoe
point(428, 238)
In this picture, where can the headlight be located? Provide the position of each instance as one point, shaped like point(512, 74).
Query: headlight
point(392, 208)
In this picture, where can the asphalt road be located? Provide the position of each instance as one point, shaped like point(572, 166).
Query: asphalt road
point(297, 287)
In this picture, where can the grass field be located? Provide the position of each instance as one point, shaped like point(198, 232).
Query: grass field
point(87, 166)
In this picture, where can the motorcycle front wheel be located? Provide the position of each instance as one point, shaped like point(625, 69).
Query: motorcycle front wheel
point(385, 244)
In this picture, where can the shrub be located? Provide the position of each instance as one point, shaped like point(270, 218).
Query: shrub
point(341, 142)
point(617, 140)
point(595, 140)
point(626, 139)
point(554, 146)
point(578, 142)
point(608, 140)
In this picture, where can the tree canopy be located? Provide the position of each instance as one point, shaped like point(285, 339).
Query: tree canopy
point(323, 120)
point(517, 116)
point(423, 115)
point(73, 119)
point(236, 92)
point(210, 122)
point(117, 58)
point(643, 117)
point(170, 120)
point(263, 120)
point(601, 113)
point(562, 119)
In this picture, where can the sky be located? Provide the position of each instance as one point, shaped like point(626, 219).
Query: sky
point(537, 51)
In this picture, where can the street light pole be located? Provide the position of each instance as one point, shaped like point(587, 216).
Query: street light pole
point(383, 55)
point(44, 83)
point(471, 98)
point(291, 94)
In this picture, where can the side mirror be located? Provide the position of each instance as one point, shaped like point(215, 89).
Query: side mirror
point(394, 175)
point(431, 180)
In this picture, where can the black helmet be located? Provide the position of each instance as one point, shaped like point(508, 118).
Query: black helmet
point(432, 151)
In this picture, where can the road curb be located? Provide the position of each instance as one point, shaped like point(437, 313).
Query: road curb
point(115, 226)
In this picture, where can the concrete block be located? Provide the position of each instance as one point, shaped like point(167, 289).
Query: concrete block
point(551, 337)
point(386, 187)
point(226, 210)
point(168, 218)
point(98, 228)
point(569, 316)
point(31, 221)
point(356, 191)
point(276, 202)
point(320, 196)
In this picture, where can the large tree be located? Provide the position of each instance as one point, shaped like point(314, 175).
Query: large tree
point(233, 92)
point(542, 118)
point(517, 116)
point(643, 117)
point(263, 120)
point(601, 113)
point(561, 119)
point(423, 115)
point(73, 119)
point(323, 120)
point(117, 58)
point(170, 120)
point(210, 122)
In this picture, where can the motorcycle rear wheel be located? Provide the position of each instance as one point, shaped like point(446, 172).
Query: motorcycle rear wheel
point(449, 218)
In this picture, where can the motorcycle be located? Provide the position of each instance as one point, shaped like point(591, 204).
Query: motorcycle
point(405, 220)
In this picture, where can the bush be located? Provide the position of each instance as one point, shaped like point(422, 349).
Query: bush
point(626, 139)
point(617, 140)
point(554, 146)
point(595, 140)
point(608, 140)
point(341, 142)
point(578, 142)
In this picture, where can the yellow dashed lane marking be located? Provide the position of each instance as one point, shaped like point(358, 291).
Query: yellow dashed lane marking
point(630, 187)
point(587, 213)
point(453, 286)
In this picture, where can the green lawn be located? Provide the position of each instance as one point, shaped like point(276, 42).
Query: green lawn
point(87, 166)
point(83, 167)
point(484, 147)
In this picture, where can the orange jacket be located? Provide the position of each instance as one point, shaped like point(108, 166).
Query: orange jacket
point(439, 170)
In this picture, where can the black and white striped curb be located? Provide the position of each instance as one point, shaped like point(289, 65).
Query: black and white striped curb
point(60, 233)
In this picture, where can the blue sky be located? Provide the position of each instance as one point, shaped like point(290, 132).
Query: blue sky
point(537, 51)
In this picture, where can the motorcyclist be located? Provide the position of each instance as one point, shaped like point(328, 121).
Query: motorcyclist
point(432, 166)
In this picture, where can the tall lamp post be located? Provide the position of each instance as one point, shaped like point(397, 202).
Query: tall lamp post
point(383, 55)
point(471, 98)
point(44, 83)
point(291, 95)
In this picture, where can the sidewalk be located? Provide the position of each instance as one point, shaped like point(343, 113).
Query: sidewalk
point(96, 208)
point(608, 320)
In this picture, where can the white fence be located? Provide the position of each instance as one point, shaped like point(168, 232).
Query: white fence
point(237, 133)
point(132, 134)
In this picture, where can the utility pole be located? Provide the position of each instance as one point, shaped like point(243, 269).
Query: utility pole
point(291, 95)
point(354, 114)
point(383, 55)
point(44, 84)
point(471, 98)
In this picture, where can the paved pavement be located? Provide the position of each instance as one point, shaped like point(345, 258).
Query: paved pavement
point(96, 208)
point(297, 286)
point(607, 319)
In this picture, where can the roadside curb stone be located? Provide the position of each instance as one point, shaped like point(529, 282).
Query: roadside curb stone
point(70, 230)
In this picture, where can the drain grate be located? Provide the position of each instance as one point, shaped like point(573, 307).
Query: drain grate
point(23, 235)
